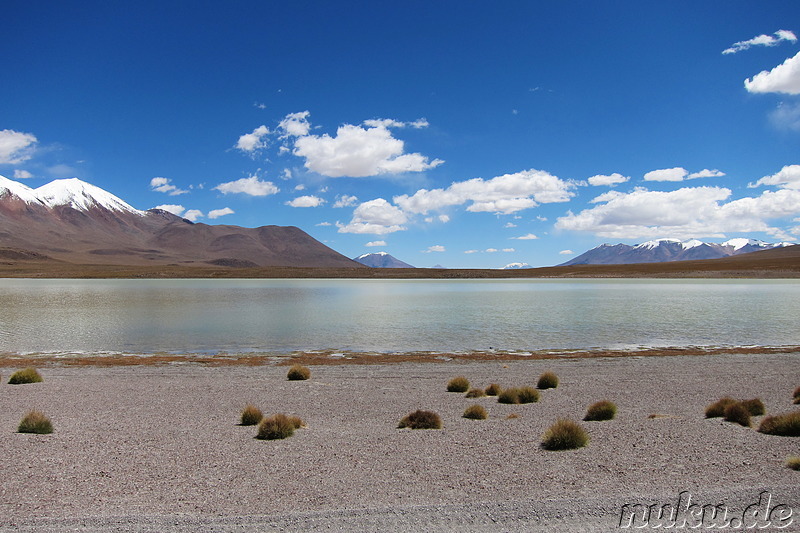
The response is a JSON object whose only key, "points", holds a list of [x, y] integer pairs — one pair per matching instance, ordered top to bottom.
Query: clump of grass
{"points": [[298, 373], [27, 375], [548, 380], [458, 384], [493, 390], [476, 393], [510, 395], [528, 395], [796, 395], [754, 406], [717, 408], [602, 410], [475, 412], [738, 414], [251, 415], [512, 416], [421, 420], [35, 422], [297, 422], [785, 425], [277, 426], [565, 435], [793, 462]]}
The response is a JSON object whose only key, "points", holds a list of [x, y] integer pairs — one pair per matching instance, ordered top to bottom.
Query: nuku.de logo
{"points": [[685, 514]]}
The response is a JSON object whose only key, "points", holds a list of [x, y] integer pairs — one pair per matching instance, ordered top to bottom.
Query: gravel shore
{"points": [[146, 448]]}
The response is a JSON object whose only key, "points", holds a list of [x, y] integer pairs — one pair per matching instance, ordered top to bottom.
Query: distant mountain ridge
{"points": [[75, 221], [667, 250], [381, 260]]}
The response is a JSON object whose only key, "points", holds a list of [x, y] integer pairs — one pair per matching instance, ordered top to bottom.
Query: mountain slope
{"points": [[74, 221], [667, 250], [381, 260]]}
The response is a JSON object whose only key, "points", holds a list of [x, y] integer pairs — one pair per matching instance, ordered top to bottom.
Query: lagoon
{"points": [[278, 316]]}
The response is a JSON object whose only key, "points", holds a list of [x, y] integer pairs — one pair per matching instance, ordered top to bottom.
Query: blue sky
{"points": [[466, 134]]}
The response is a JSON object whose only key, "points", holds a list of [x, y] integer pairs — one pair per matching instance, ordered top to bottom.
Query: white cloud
{"points": [[762, 40], [785, 78], [786, 116], [295, 125], [250, 143], [16, 147], [359, 152], [705, 173], [22, 174], [666, 174], [786, 178], [610, 180], [160, 184], [252, 186], [300, 187], [503, 194], [306, 201], [345, 201], [176, 210], [216, 213], [683, 213], [193, 214], [378, 217], [444, 219], [323, 224], [510, 225], [528, 237], [372, 244], [434, 248], [490, 250], [509, 250], [470, 251], [566, 252]]}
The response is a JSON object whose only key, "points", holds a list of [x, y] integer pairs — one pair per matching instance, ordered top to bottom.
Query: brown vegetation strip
{"points": [[331, 357]]}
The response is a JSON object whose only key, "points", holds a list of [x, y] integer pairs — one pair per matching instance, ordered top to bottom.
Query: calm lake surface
{"points": [[241, 316]]}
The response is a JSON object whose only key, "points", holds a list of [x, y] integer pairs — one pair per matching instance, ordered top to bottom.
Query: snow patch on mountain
{"points": [[21, 191], [82, 196], [515, 266]]}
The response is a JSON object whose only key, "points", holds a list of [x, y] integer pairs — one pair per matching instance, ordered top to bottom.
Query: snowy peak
{"points": [[21, 191], [81, 196], [737, 244], [650, 245], [364, 256], [381, 260], [516, 266]]}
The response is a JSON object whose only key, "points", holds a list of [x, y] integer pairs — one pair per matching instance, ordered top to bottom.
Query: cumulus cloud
{"points": [[762, 40], [785, 78], [295, 125], [250, 143], [16, 147], [360, 151], [705, 173], [22, 174], [666, 174], [786, 178], [609, 180], [164, 185], [251, 186], [504, 194], [306, 201], [345, 201], [175, 209], [216, 213], [683, 213], [193, 214], [377, 217], [510, 225], [528, 237], [372, 244], [434, 248], [509, 250], [566, 252]]}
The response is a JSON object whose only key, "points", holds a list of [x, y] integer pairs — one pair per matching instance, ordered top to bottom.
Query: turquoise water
{"points": [[241, 316]]}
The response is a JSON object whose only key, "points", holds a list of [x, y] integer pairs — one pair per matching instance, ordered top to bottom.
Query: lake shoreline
{"points": [[147, 448]]}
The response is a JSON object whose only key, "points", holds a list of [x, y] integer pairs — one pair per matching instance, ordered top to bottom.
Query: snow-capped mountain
{"points": [[74, 221], [664, 250], [381, 260], [515, 266]]}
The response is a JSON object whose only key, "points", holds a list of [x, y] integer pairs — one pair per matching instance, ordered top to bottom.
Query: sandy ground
{"points": [[147, 448]]}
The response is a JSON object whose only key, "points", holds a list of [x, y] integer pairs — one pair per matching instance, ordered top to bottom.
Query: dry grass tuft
{"points": [[298, 373], [27, 375], [548, 380], [458, 384], [493, 390], [476, 393], [510, 395], [528, 395], [754, 406], [717, 408], [602, 410], [475, 412], [737, 413], [251, 415], [512, 416], [421, 420], [35, 422], [297, 422], [785, 425], [277, 426], [565, 435], [793, 462]]}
